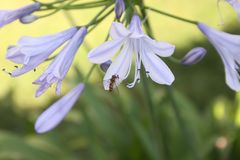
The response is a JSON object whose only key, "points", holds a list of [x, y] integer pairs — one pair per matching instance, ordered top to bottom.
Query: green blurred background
{"points": [[200, 120]]}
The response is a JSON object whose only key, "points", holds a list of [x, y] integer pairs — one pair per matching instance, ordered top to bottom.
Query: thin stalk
{"points": [[77, 6], [58, 9], [171, 15], [94, 20], [99, 20], [89, 73], [154, 128], [185, 131]]}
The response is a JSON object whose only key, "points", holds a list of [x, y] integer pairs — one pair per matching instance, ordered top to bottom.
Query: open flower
{"points": [[236, 6], [8, 16], [228, 47], [31, 51], [146, 51], [58, 69], [50, 118]]}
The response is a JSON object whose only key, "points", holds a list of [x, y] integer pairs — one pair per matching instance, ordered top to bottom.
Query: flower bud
{"points": [[119, 8], [28, 19], [194, 56], [104, 66]]}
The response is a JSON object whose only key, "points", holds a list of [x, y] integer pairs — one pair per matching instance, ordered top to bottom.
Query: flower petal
{"points": [[118, 31], [162, 49], [105, 51], [121, 65], [157, 69], [232, 72], [51, 117]]}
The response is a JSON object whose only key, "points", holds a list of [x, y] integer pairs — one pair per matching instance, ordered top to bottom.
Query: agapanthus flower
{"points": [[236, 5], [119, 8], [8, 16], [28, 19], [228, 47], [32, 51], [146, 51], [194, 56], [57, 70], [54, 115]]}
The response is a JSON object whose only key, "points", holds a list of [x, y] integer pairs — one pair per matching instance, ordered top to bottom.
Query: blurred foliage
{"points": [[200, 120]]}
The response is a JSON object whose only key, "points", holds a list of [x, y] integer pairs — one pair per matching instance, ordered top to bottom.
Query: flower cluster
{"points": [[128, 42]]}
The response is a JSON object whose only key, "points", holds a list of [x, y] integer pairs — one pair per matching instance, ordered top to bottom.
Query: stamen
{"points": [[237, 68], [4, 70], [147, 73]]}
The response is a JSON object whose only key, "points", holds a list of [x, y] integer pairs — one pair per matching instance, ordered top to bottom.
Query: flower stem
{"points": [[58, 9], [171, 15], [96, 20], [89, 73], [153, 122], [185, 130]]}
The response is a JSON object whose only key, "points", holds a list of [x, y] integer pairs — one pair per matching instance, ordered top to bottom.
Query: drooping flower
{"points": [[236, 6], [119, 8], [8, 16], [28, 19], [228, 47], [32, 51], [146, 51], [194, 56], [57, 70], [54, 115]]}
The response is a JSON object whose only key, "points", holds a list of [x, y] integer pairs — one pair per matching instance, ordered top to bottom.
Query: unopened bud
{"points": [[119, 8], [28, 19], [194, 56], [104, 66]]}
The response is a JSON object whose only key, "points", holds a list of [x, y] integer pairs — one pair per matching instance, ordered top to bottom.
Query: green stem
{"points": [[76, 6], [58, 9], [171, 15], [95, 19], [89, 73], [153, 122], [185, 130]]}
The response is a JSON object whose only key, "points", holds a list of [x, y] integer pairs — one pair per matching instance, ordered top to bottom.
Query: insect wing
{"points": [[108, 84]]}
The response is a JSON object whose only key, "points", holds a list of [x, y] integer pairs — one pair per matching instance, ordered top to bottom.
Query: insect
{"points": [[112, 83]]}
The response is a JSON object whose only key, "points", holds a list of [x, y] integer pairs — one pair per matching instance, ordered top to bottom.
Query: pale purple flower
{"points": [[236, 6], [119, 8], [8, 16], [28, 19], [228, 47], [32, 51], [146, 51], [194, 56], [104, 66], [57, 70], [54, 115]]}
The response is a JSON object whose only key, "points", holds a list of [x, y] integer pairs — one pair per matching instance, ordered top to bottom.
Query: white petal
{"points": [[118, 31], [162, 49], [105, 51], [121, 65], [158, 70], [232, 76], [50, 118]]}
